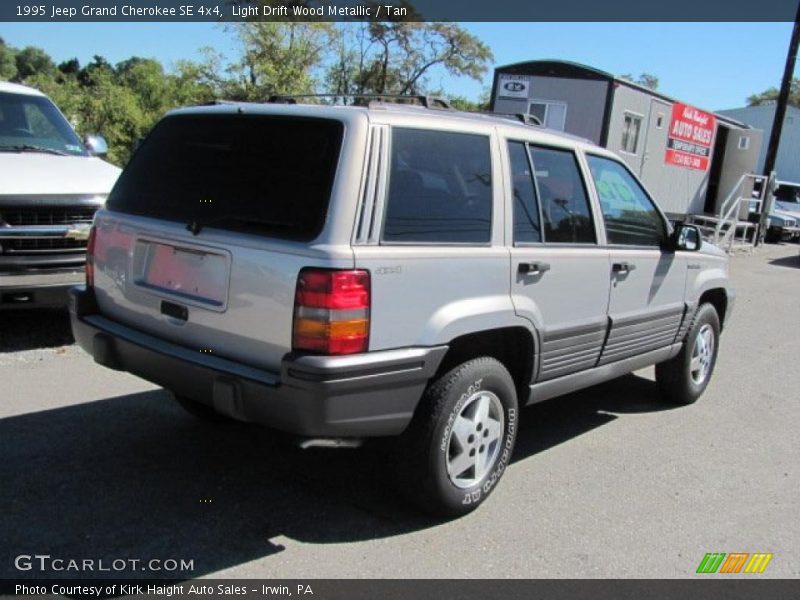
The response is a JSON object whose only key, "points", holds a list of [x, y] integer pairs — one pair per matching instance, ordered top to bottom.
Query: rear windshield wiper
{"points": [[32, 148], [197, 226]]}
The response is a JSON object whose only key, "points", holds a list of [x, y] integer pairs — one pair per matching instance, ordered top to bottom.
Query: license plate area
{"points": [[192, 274]]}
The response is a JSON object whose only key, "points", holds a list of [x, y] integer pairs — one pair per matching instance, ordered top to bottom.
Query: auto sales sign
{"points": [[691, 133]]}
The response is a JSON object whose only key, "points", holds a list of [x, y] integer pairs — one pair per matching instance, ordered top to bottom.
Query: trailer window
{"points": [[631, 127]]}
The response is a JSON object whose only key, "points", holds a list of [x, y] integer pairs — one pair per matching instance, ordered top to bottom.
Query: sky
{"points": [[711, 65]]}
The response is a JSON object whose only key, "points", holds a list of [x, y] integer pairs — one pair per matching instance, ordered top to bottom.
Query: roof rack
{"points": [[417, 99], [521, 117]]}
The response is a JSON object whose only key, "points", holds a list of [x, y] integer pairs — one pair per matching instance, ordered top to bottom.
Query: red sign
{"points": [[691, 133]]}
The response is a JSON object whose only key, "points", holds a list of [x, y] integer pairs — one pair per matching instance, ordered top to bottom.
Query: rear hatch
{"points": [[208, 226]]}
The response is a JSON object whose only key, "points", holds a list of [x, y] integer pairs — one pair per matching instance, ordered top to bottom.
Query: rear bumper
{"points": [[38, 288], [363, 395]]}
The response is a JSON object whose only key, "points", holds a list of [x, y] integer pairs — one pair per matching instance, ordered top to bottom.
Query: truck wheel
{"points": [[682, 379], [200, 410], [460, 440]]}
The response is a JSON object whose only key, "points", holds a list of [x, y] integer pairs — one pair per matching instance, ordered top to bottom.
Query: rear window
{"points": [[252, 173]]}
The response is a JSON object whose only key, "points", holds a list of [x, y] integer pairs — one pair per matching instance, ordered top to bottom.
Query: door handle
{"points": [[533, 268], [623, 268]]}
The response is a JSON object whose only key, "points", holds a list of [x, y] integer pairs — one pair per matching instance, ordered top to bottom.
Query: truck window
{"points": [[252, 173], [440, 188], [565, 205], [630, 216], [527, 227]]}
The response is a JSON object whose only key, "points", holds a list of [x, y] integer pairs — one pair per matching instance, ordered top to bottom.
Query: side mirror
{"points": [[96, 145], [686, 237]]}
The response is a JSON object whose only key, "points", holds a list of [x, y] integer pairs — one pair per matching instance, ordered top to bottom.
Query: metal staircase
{"points": [[736, 226]]}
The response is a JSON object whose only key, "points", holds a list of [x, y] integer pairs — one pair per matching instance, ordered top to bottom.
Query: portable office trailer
{"points": [[690, 159], [787, 162]]}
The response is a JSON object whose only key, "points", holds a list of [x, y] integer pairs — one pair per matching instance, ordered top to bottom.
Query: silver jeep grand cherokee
{"points": [[351, 272]]}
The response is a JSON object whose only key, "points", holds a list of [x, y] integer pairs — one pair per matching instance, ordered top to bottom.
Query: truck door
{"points": [[559, 273], [646, 303]]}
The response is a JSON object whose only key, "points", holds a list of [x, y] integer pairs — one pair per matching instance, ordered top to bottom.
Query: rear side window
{"points": [[253, 173], [440, 188], [565, 205], [526, 208], [630, 216]]}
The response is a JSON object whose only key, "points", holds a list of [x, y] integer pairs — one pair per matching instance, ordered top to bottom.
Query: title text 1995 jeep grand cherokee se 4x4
{"points": [[350, 272]]}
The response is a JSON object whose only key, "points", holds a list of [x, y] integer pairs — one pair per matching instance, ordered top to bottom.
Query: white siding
{"points": [[787, 165]]}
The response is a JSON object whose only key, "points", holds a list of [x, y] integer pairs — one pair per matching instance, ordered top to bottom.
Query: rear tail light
{"points": [[90, 243], [331, 311]]}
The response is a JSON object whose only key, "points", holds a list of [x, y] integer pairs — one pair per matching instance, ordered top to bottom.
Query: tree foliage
{"points": [[397, 57], [647, 80], [771, 95]]}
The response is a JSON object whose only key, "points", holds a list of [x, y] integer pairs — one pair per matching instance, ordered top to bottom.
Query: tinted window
{"points": [[270, 175], [440, 188], [787, 193], [565, 206], [526, 207], [629, 215]]}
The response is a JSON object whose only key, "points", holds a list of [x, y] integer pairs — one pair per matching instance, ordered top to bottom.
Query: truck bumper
{"points": [[38, 289], [361, 395]]}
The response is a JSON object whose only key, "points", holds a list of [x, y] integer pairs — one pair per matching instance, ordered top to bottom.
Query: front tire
{"points": [[684, 378], [460, 441]]}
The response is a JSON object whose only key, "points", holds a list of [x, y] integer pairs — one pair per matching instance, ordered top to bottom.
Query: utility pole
{"points": [[777, 123]]}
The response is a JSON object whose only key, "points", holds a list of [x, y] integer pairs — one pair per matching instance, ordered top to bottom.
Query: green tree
{"points": [[397, 57], [276, 58], [32, 61], [8, 65], [70, 67], [645, 79], [146, 80], [771, 95], [113, 110]]}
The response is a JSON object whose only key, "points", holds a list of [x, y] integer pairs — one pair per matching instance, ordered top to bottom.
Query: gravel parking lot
{"points": [[608, 482]]}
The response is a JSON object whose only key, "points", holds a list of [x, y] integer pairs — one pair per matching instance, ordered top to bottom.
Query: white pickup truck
{"points": [[51, 184]]}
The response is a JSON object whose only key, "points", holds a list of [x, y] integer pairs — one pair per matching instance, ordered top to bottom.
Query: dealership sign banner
{"points": [[691, 133]]}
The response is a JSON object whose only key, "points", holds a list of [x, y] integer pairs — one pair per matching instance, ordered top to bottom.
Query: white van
{"points": [[51, 184]]}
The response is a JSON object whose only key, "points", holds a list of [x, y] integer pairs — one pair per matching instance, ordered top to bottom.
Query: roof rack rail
{"points": [[419, 99], [525, 118]]}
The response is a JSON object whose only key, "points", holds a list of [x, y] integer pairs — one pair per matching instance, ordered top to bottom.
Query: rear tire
{"points": [[683, 379], [200, 411], [460, 440]]}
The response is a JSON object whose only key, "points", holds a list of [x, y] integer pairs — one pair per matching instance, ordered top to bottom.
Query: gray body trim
{"points": [[641, 333], [570, 349], [563, 385], [364, 395]]}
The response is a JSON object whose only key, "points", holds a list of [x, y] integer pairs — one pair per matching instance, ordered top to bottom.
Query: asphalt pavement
{"points": [[608, 482]]}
